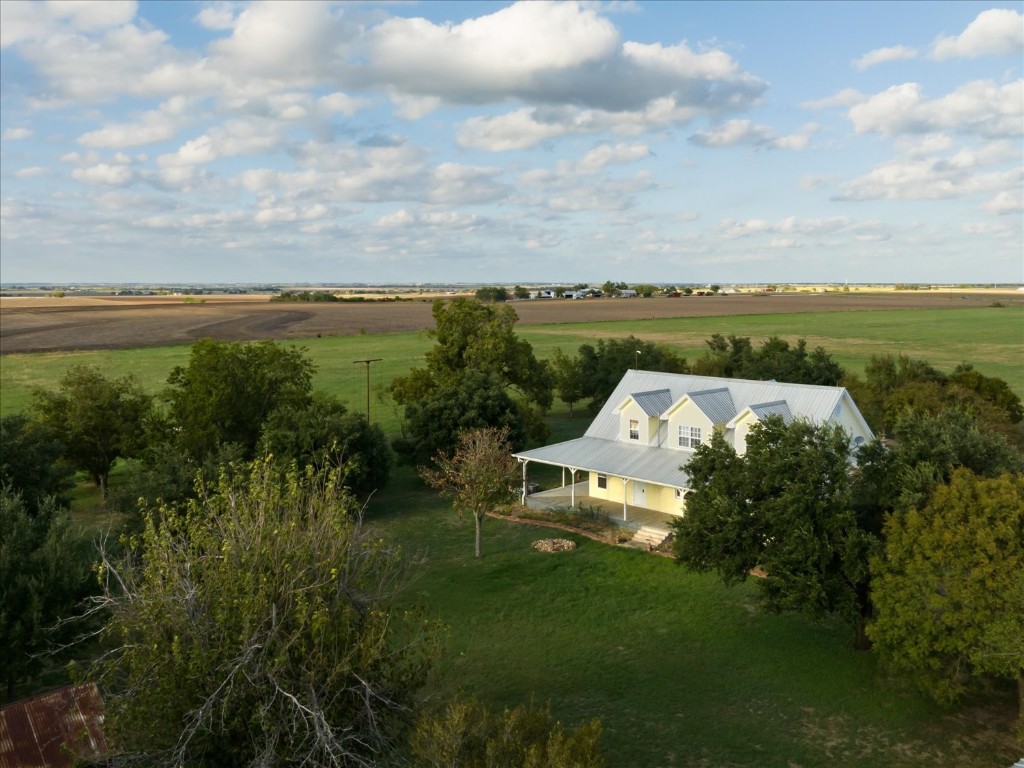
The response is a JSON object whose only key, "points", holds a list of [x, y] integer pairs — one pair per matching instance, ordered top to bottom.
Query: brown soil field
{"points": [[51, 324]]}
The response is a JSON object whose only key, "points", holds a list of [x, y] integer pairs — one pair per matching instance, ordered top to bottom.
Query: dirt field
{"points": [[50, 324]]}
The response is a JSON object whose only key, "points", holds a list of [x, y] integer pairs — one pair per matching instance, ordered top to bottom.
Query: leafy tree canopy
{"points": [[495, 293], [476, 337], [735, 357], [602, 367], [568, 377], [228, 389], [477, 399], [97, 419], [324, 433], [32, 460], [784, 507], [44, 573], [948, 585], [257, 629], [466, 734]]}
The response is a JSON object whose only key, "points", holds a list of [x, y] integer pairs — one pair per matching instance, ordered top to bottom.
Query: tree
{"points": [[610, 288], [520, 292], [492, 294], [478, 337], [735, 357], [602, 367], [568, 375], [228, 389], [476, 400], [97, 419], [324, 433], [31, 460], [479, 475], [783, 507], [44, 573], [948, 587], [257, 629], [466, 734]]}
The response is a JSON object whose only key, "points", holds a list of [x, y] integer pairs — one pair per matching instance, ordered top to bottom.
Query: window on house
{"points": [[634, 429], [689, 437], [602, 481], [679, 493]]}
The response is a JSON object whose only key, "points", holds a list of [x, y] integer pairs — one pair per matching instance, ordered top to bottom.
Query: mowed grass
{"points": [[992, 339], [681, 670]]}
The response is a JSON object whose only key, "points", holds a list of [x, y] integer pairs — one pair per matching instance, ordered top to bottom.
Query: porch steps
{"points": [[650, 536]]}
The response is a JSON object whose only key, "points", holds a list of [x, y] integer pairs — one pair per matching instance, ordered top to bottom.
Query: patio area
{"points": [[635, 518]]}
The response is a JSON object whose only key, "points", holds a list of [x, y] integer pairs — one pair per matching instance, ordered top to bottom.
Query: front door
{"points": [[639, 494]]}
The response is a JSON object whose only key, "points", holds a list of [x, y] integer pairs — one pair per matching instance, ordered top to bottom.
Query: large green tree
{"points": [[472, 336], [736, 357], [603, 366], [568, 375], [228, 389], [97, 419], [325, 433], [32, 460], [478, 475], [784, 507], [44, 573], [948, 585], [257, 628]]}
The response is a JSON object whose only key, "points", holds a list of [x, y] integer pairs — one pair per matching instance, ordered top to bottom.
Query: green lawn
{"points": [[681, 670]]}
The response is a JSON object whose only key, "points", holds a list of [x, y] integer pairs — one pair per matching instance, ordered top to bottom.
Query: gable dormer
{"points": [[640, 416], [693, 417], [744, 421]]}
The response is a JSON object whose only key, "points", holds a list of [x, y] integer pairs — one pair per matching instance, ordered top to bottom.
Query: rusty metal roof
{"points": [[53, 729]]}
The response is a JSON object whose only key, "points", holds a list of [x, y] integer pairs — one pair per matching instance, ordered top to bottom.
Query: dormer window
{"points": [[634, 429], [689, 437]]}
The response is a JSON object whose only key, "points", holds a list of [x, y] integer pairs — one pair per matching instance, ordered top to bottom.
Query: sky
{"points": [[507, 143]]}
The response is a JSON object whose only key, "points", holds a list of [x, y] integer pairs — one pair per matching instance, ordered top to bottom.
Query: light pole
{"points": [[367, 362], [636, 364]]}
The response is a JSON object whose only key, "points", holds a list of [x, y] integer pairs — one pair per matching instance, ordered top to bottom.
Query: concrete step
{"points": [[650, 536]]}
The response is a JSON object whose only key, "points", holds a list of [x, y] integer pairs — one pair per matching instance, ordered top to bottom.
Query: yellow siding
{"points": [[687, 414]]}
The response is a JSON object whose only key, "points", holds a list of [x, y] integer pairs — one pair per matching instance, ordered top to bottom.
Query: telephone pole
{"points": [[367, 363]]}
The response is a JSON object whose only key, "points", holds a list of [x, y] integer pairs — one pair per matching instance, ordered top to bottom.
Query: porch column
{"points": [[524, 462], [563, 477], [572, 485], [625, 512]]}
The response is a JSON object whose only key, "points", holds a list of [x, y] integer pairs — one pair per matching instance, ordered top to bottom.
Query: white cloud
{"points": [[217, 16], [26, 21], [997, 31], [884, 55], [844, 98], [980, 107], [152, 127], [745, 132], [16, 134], [236, 137], [605, 154], [30, 172], [104, 173], [935, 178], [455, 184], [1005, 202], [790, 227]]}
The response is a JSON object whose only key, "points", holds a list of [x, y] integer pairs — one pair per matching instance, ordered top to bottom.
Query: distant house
{"points": [[627, 293], [636, 450], [54, 729]]}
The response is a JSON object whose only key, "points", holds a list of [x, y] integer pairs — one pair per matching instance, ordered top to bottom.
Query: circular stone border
{"points": [[554, 545]]}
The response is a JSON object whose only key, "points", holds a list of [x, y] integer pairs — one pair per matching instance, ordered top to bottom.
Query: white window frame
{"points": [[634, 429], [689, 437], [602, 482]]}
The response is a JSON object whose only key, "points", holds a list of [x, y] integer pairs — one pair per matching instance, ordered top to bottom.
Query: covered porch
{"points": [[626, 516]]}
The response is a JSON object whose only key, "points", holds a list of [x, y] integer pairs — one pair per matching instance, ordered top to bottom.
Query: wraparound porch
{"points": [[627, 516]]}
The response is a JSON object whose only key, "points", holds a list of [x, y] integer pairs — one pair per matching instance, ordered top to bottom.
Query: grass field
{"points": [[992, 338], [681, 670]]}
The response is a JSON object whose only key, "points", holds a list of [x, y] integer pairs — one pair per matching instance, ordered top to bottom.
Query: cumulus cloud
{"points": [[26, 21], [997, 31], [883, 55], [844, 98], [980, 107], [153, 126], [745, 132], [16, 134], [607, 154], [30, 172], [104, 173], [935, 178], [789, 228]]}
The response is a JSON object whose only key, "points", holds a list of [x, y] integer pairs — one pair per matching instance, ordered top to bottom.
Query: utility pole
{"points": [[367, 363]]}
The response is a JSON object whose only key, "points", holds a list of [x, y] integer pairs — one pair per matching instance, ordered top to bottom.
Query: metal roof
{"points": [[808, 401], [654, 403], [715, 403], [778, 408], [663, 466], [34, 732]]}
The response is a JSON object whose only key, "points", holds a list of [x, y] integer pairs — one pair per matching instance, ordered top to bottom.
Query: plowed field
{"points": [[49, 324]]}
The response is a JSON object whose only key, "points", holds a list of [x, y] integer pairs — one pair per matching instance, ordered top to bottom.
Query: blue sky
{"points": [[511, 142]]}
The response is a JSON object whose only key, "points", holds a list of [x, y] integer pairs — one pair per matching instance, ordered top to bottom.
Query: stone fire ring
{"points": [[554, 545]]}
